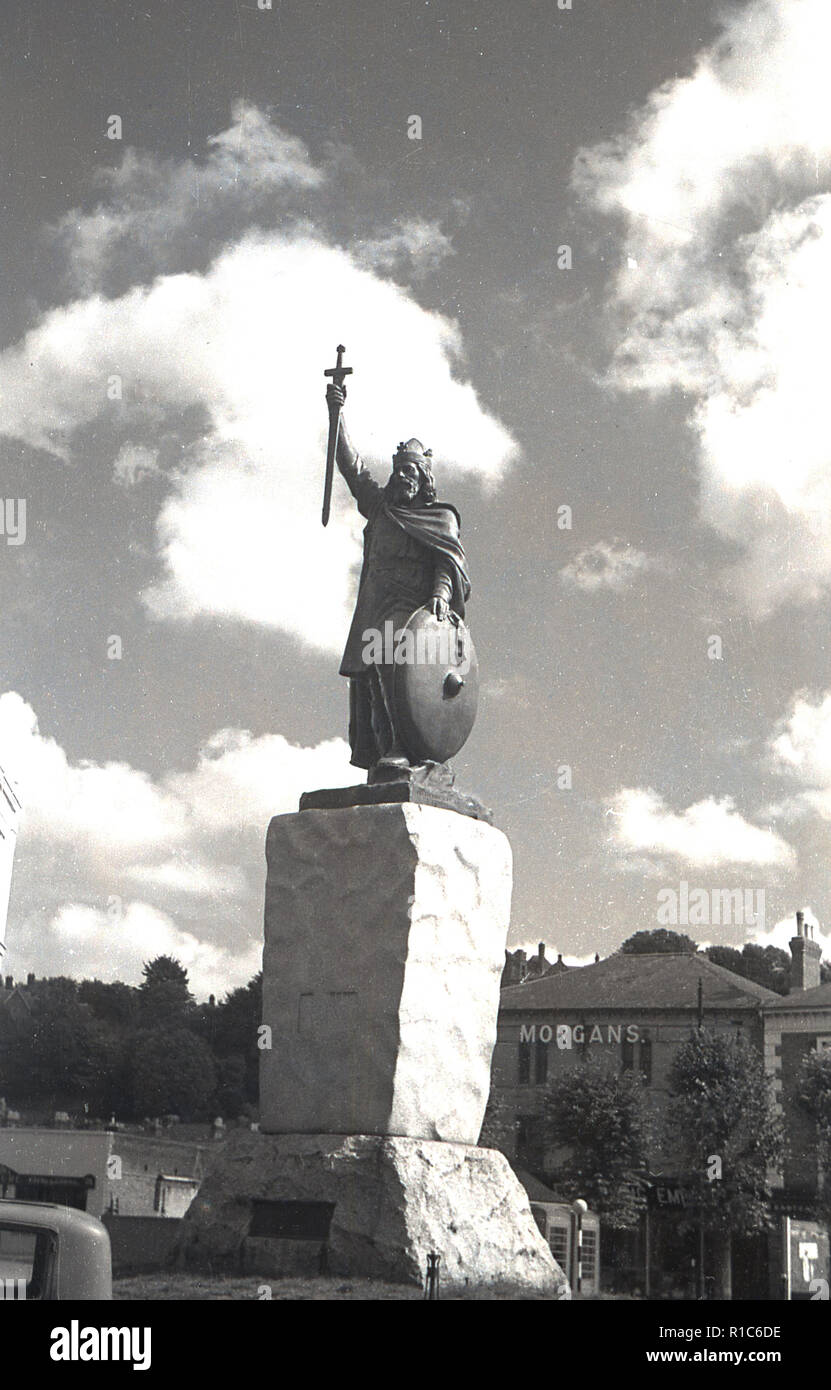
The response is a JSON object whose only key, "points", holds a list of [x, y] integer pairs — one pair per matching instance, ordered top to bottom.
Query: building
{"points": [[9, 816], [519, 966], [15, 1005], [626, 1012], [630, 1013], [66, 1166], [100, 1171], [155, 1176], [173, 1195]]}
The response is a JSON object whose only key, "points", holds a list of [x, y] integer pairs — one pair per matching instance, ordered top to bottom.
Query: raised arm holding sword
{"points": [[403, 712]]}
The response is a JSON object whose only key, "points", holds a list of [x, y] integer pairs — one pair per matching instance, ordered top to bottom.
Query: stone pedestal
{"points": [[385, 931], [394, 1200]]}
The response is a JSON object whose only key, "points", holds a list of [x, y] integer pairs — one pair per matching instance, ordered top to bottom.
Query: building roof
{"points": [[659, 981], [16, 993], [818, 998], [536, 1190]]}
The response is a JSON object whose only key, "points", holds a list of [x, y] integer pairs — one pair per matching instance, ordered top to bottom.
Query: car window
{"points": [[24, 1262]]}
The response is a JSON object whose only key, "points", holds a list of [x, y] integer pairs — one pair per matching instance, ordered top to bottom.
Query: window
{"points": [[627, 1055], [646, 1060], [540, 1063], [524, 1075], [523, 1137], [530, 1141], [67, 1192], [559, 1242], [17, 1253], [589, 1254], [25, 1258]]}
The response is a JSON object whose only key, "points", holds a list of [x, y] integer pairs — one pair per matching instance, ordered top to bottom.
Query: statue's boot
{"points": [[393, 763]]}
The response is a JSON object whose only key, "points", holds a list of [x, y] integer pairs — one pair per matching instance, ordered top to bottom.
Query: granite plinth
{"points": [[385, 931], [395, 1200]]}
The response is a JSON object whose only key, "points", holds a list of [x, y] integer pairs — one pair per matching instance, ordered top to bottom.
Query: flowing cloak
{"points": [[410, 553]]}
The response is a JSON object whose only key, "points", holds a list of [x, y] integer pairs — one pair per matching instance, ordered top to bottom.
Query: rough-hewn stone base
{"points": [[385, 930], [395, 1201]]}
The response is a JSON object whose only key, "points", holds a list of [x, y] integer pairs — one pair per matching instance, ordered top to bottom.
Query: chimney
{"points": [[541, 951], [806, 954], [559, 957], [30, 979]]}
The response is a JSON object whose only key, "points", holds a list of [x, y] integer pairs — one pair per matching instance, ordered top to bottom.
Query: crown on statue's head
{"points": [[413, 451]]}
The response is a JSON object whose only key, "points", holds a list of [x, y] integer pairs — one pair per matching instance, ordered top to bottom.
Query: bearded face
{"points": [[405, 483]]}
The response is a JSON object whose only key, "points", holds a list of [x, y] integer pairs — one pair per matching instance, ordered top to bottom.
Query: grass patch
{"points": [[229, 1289]]}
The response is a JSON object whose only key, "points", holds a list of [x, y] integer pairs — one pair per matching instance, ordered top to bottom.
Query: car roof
{"points": [[49, 1215]]}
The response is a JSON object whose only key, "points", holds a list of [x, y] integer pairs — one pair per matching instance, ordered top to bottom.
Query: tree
{"points": [[659, 940], [728, 958], [766, 965], [164, 993], [114, 1003], [235, 1030], [63, 1055], [170, 1072], [231, 1096], [814, 1097], [599, 1121], [722, 1126], [499, 1127]]}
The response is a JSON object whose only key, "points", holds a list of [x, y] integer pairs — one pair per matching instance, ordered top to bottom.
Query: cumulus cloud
{"points": [[720, 184], [151, 208], [157, 215], [418, 245], [241, 345], [240, 534], [605, 565], [801, 747], [711, 833], [111, 861], [188, 876], [781, 932], [91, 943]]}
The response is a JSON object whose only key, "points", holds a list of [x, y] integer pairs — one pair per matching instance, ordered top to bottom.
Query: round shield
{"points": [[435, 686]]}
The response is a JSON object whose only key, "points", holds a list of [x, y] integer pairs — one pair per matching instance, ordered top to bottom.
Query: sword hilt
{"points": [[339, 372]]}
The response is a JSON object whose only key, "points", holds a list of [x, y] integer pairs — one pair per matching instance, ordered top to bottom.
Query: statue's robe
{"points": [[411, 555]]}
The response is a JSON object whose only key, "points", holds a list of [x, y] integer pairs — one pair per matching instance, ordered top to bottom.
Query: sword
{"points": [[337, 374]]}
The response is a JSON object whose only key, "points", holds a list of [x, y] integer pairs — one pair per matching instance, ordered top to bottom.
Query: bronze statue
{"points": [[411, 702]]}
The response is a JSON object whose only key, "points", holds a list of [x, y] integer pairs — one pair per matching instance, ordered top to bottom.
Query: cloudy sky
{"points": [[598, 286]]}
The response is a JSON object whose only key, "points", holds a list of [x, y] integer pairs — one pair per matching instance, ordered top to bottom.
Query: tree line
{"points": [[765, 965], [134, 1052]]}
